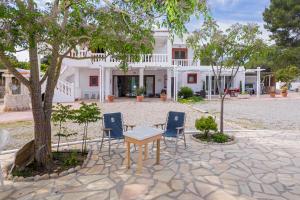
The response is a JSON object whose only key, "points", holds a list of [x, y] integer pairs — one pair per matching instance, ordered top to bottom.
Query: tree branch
{"points": [[44, 78]]}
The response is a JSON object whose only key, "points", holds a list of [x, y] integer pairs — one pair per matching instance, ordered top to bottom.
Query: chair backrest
{"points": [[175, 120], [114, 121], [4, 138]]}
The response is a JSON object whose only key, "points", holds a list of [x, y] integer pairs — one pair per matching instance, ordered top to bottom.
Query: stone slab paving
{"points": [[261, 165]]}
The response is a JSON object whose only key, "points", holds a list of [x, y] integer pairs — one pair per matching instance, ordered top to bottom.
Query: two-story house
{"points": [[168, 68]]}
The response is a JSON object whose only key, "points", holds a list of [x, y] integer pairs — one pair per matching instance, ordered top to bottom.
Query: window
{"points": [[179, 53], [192, 78], [94, 81]]}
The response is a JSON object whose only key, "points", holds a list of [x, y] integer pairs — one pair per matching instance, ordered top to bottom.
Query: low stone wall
{"points": [[19, 102]]}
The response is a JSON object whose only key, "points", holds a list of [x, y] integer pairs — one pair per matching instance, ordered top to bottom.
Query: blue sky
{"points": [[227, 12]]}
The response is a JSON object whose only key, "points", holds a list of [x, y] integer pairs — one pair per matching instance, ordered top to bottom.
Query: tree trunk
{"points": [[222, 115], [42, 132]]}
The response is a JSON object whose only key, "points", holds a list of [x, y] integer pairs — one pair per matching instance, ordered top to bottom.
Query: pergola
{"points": [[258, 71]]}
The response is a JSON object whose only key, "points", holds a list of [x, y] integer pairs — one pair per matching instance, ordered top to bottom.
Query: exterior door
{"points": [[150, 85]]}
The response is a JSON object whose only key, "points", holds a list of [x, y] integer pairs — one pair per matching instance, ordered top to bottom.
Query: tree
{"points": [[283, 21], [54, 29], [225, 51], [287, 75]]}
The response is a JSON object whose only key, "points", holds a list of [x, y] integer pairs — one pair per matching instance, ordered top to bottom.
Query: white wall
{"points": [[84, 80], [184, 82]]}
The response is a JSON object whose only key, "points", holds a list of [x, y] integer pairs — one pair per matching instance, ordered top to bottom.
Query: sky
{"points": [[226, 13]]}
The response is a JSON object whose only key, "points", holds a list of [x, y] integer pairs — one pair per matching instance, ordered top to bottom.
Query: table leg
{"points": [[157, 151], [146, 152], [128, 155], [140, 161]]}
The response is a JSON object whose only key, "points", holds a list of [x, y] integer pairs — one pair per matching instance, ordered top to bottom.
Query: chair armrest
{"points": [[160, 124], [131, 126], [106, 129], [179, 129]]}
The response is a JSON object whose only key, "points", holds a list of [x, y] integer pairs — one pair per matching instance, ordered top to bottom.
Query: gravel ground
{"points": [[145, 113], [266, 113]]}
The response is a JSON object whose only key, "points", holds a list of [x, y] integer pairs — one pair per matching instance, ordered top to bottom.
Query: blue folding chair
{"points": [[174, 127], [113, 128]]}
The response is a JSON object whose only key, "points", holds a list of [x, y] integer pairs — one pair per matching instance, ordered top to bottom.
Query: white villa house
{"points": [[168, 68]]}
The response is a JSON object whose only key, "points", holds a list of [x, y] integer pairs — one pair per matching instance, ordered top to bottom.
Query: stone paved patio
{"points": [[261, 165]]}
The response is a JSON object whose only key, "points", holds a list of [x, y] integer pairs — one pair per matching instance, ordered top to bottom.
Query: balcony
{"points": [[151, 59], [161, 60], [185, 62]]}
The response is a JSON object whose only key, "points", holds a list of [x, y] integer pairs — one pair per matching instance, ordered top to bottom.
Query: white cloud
{"points": [[214, 3]]}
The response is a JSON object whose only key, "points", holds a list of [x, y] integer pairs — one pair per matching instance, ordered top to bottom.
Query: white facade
{"points": [[167, 68]]}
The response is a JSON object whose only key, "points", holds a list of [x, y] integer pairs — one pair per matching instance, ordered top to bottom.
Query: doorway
{"points": [[149, 83], [125, 86]]}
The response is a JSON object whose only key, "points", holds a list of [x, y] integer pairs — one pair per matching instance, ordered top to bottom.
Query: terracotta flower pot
{"points": [[284, 93], [272, 94], [163, 97], [110, 98], [139, 98]]}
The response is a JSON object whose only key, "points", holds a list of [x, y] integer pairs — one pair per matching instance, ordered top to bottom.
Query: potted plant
{"points": [[287, 75], [284, 91], [272, 92], [140, 94], [163, 95], [110, 98]]}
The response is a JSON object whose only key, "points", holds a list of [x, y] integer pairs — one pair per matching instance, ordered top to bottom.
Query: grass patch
{"points": [[190, 100], [16, 124], [216, 137], [61, 161]]}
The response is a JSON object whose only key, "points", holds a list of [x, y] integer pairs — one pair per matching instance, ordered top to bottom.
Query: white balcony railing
{"points": [[98, 57], [144, 58], [185, 62]]}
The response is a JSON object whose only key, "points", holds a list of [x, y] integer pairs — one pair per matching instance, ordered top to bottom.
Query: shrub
{"points": [[140, 91], [185, 92], [193, 99], [86, 114], [60, 115], [206, 124], [220, 137]]}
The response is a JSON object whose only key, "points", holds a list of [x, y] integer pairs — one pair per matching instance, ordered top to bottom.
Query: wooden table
{"points": [[141, 136]]}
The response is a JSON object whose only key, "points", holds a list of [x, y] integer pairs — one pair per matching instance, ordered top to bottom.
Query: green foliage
{"points": [[283, 21], [288, 74], [140, 91], [185, 92], [190, 100], [86, 114], [60, 115], [206, 125], [220, 137], [72, 160]]}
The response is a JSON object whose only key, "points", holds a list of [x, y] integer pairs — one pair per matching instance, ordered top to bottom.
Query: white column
{"points": [[169, 51], [141, 77], [107, 82], [258, 82], [169, 83], [100, 84], [175, 84], [209, 86]]}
